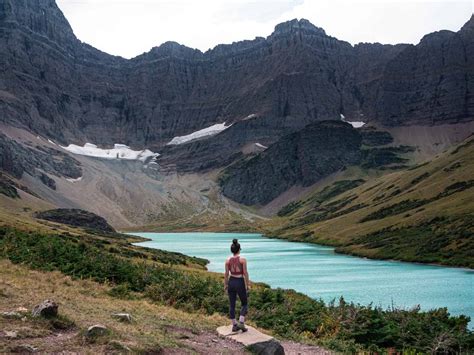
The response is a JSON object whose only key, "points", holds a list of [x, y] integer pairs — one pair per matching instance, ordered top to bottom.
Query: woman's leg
{"points": [[232, 292], [242, 292]]}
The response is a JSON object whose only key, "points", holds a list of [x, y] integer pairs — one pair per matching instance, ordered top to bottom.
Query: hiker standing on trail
{"points": [[236, 282]]}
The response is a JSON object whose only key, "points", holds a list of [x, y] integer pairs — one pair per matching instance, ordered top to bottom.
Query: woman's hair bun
{"points": [[235, 241]]}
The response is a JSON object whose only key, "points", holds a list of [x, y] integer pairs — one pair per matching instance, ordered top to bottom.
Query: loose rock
{"points": [[46, 309], [21, 310], [11, 315], [123, 317], [96, 330], [11, 334], [116, 345], [270, 347], [24, 348]]}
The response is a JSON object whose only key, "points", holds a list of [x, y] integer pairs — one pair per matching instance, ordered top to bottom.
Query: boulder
{"points": [[46, 309], [97, 330], [253, 340], [269, 347]]}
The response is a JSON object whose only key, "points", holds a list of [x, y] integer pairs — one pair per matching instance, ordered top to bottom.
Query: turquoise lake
{"points": [[321, 273]]}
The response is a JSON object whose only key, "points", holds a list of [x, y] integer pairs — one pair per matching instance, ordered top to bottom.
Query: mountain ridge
{"points": [[295, 76]]}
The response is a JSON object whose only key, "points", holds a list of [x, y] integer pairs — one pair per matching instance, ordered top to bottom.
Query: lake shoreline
{"points": [[296, 240], [358, 279]]}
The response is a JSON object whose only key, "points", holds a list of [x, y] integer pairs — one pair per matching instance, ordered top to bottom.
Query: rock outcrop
{"points": [[306, 156], [302, 158], [76, 218], [46, 309], [96, 331]]}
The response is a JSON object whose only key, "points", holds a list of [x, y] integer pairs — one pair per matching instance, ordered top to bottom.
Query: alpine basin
{"points": [[321, 273]]}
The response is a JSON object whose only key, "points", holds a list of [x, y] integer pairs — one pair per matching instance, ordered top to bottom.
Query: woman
{"points": [[237, 284]]}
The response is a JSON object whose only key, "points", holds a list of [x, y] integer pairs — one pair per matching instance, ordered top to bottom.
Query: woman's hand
{"points": [[225, 288]]}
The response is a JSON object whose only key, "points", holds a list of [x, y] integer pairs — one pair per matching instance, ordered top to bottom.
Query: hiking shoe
{"points": [[242, 327], [235, 328]]}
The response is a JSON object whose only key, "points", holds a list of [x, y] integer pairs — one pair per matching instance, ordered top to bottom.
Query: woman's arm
{"points": [[246, 273], [226, 275]]}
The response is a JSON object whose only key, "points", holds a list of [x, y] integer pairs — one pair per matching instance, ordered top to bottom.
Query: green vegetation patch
{"points": [[374, 138], [463, 146], [383, 157], [415, 167], [452, 167], [420, 178], [8, 189], [322, 196], [407, 205], [289, 208], [395, 209], [441, 240]]}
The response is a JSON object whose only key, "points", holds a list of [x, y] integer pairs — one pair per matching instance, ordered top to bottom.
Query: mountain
{"points": [[59, 87], [289, 92], [368, 148], [307, 156], [303, 157]]}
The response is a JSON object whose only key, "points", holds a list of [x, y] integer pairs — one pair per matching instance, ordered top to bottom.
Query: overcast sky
{"points": [[131, 27]]}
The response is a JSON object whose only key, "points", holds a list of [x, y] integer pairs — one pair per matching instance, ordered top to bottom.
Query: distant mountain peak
{"points": [[295, 25], [469, 25], [171, 49]]}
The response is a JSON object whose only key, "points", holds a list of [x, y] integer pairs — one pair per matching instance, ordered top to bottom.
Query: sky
{"points": [[131, 27]]}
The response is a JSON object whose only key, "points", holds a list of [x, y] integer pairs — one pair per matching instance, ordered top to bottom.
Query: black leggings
{"points": [[237, 287]]}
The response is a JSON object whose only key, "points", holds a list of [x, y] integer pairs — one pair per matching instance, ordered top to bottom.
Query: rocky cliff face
{"points": [[55, 85], [306, 156], [300, 158]]}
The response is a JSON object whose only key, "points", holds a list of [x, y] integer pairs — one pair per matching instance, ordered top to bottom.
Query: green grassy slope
{"points": [[424, 213]]}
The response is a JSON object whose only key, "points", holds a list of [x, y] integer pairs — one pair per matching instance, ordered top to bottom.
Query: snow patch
{"points": [[249, 117], [355, 124], [202, 133], [50, 141], [260, 145], [119, 151], [74, 180]]}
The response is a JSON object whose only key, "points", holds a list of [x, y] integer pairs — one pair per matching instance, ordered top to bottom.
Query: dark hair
{"points": [[235, 247]]}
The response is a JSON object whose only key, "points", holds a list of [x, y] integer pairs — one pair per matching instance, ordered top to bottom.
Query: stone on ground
{"points": [[46, 309], [11, 315], [123, 317], [97, 330], [253, 340], [24, 348]]}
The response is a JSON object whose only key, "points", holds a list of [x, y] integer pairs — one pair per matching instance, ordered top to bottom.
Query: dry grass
{"points": [[87, 303]]}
